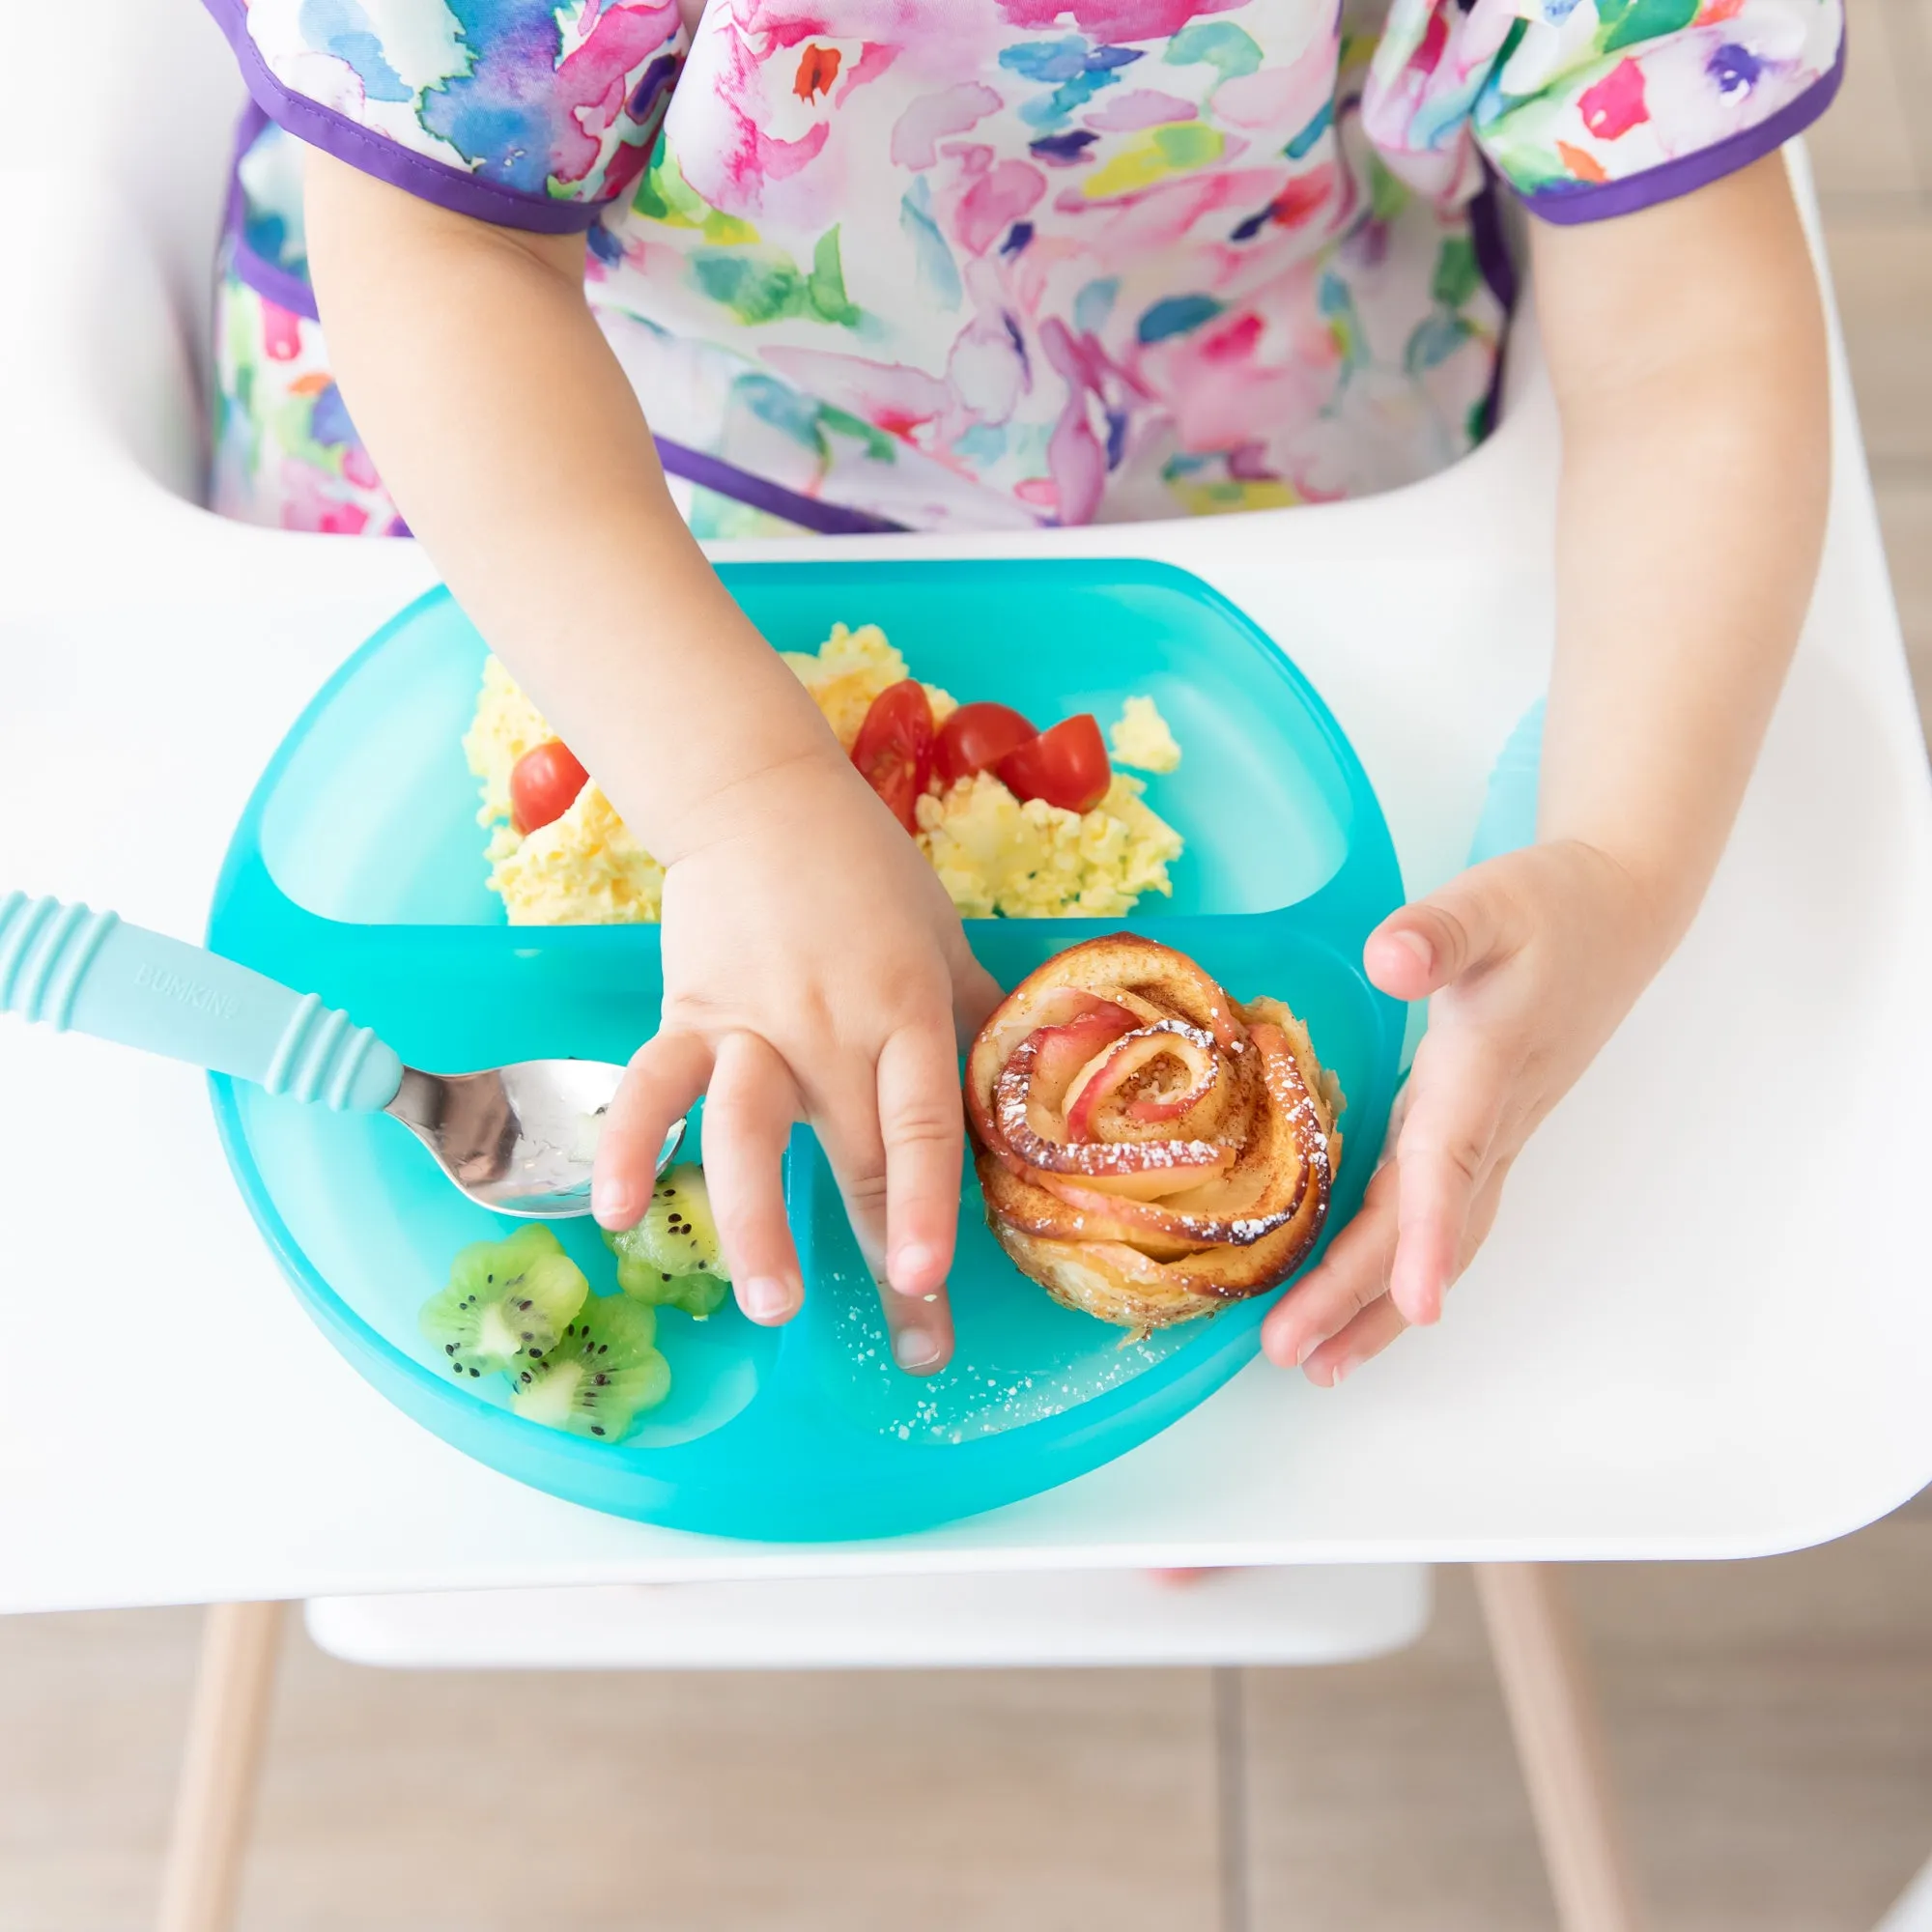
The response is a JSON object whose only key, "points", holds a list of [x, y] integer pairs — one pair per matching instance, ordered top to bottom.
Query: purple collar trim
{"points": [[429, 181], [1598, 201]]}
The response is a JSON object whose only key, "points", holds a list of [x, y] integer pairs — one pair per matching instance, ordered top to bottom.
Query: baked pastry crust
{"points": [[1149, 1149]]}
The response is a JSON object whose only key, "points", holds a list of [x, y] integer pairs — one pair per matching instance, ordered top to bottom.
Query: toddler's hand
{"points": [[1530, 962], [815, 970]]}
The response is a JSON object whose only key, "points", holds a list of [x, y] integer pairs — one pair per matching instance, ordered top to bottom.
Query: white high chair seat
{"points": [[1310, 1614]]}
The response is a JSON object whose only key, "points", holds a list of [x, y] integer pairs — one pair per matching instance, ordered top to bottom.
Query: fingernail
{"points": [[1413, 942], [612, 1201], [910, 1264], [765, 1297], [915, 1348], [1307, 1348], [1341, 1370]]}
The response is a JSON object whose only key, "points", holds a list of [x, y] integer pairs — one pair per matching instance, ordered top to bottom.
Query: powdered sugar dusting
{"points": [[970, 1399]]}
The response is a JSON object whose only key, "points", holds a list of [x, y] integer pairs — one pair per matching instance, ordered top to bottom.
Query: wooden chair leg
{"points": [[1546, 1681], [227, 1724]]}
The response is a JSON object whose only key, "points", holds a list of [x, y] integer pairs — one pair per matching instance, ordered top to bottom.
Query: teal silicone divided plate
{"points": [[357, 873]]}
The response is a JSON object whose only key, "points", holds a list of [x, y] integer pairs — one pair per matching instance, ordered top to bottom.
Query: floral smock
{"points": [[991, 264]]}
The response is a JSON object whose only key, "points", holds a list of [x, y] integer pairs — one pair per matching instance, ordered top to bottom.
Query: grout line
{"points": [[1231, 1810]]}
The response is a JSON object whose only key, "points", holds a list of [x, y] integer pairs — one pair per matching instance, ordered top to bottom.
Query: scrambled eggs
{"points": [[849, 670], [1142, 738], [994, 854], [1034, 860], [580, 869]]}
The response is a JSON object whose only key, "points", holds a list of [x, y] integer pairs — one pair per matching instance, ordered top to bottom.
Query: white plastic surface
{"points": [[1702, 1327], [1322, 1613], [1913, 1911]]}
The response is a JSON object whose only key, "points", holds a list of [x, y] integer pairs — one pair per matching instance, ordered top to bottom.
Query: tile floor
{"points": [[1772, 1722]]}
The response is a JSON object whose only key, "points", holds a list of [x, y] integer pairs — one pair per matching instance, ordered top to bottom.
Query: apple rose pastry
{"points": [[1148, 1147]]}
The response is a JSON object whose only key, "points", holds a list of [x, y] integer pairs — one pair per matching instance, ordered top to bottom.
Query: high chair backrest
{"points": [[172, 97], [139, 173], [114, 200]]}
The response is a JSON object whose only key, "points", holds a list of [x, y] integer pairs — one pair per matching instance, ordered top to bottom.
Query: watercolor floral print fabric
{"points": [[993, 264], [285, 452]]}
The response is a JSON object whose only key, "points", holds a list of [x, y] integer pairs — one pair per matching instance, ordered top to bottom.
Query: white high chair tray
{"points": [[1701, 1329]]}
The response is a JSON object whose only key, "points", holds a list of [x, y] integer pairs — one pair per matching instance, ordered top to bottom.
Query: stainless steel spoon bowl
{"points": [[517, 1139]]}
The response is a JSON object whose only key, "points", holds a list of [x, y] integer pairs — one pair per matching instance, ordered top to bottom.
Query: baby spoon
{"points": [[518, 1140]]}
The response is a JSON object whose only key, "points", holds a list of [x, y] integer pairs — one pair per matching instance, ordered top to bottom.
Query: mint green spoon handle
{"points": [[74, 968]]}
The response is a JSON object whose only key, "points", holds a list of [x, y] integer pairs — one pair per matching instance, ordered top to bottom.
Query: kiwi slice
{"points": [[677, 1236], [699, 1295], [507, 1303], [602, 1374]]}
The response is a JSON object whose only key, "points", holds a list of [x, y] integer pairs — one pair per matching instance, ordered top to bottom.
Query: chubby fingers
{"points": [[1422, 948], [666, 1076], [747, 1120], [923, 1129], [894, 1145], [1447, 1148], [1430, 1204], [1427, 1209], [1352, 1277], [1342, 1314], [1377, 1325], [919, 1327]]}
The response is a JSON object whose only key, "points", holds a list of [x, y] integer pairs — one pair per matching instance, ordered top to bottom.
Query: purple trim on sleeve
{"points": [[323, 127], [417, 174], [1599, 201], [268, 280], [272, 283], [710, 472]]}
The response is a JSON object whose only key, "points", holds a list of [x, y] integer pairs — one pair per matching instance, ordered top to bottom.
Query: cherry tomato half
{"points": [[976, 738], [894, 750], [1066, 766], [544, 786]]}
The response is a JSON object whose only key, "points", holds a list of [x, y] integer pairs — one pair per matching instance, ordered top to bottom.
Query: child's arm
{"points": [[1687, 351], [814, 966]]}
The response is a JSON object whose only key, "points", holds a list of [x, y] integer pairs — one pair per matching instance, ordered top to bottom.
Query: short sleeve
{"points": [[1591, 109], [529, 113]]}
